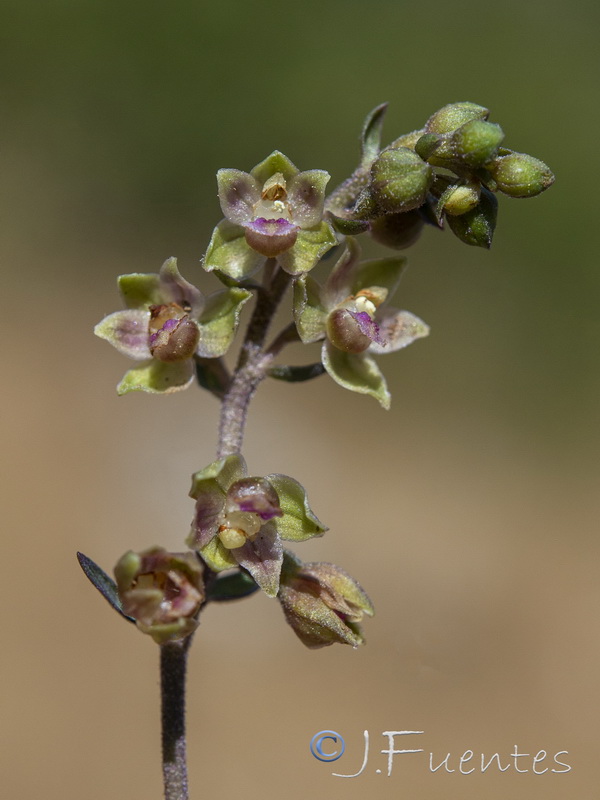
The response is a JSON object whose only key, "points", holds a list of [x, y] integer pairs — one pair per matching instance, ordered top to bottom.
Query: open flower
{"points": [[274, 211], [350, 313], [166, 323], [241, 520], [162, 591], [322, 603]]}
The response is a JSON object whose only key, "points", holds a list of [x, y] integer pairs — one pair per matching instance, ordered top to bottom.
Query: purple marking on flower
{"points": [[271, 237], [368, 326], [265, 514]]}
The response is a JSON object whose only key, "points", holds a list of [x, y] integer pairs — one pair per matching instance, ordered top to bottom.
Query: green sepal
{"points": [[370, 139], [276, 162], [349, 227], [476, 227], [311, 245], [230, 254], [384, 272], [140, 290], [310, 315], [219, 320], [357, 372], [297, 374], [212, 375], [157, 377], [223, 472], [298, 522], [217, 556], [103, 583], [232, 587]]}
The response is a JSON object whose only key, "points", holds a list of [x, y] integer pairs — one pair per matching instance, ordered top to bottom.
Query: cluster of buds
{"points": [[448, 170]]}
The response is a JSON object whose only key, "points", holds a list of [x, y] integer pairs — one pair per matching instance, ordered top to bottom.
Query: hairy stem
{"points": [[253, 362], [173, 658]]}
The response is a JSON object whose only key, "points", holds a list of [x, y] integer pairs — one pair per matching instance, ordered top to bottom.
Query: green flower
{"points": [[274, 211], [350, 313], [166, 323], [241, 520], [322, 603]]}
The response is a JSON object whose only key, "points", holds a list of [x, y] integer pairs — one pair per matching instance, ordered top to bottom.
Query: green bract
{"points": [[274, 211], [349, 312], [166, 324], [241, 520]]}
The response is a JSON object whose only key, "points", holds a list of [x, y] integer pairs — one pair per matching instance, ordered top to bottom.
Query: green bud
{"points": [[452, 116], [407, 140], [477, 142], [427, 144], [520, 175], [400, 180], [457, 200], [476, 227], [397, 231]]}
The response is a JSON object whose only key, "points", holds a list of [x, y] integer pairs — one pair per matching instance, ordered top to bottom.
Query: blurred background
{"points": [[469, 511]]}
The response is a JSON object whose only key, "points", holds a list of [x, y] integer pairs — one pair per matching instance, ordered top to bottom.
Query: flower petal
{"points": [[273, 164], [238, 192], [306, 196], [270, 237], [311, 245], [229, 252], [338, 285], [140, 289], [176, 289], [310, 314], [219, 321], [368, 327], [398, 329], [127, 331], [357, 372], [158, 377], [224, 471], [254, 496], [210, 500], [298, 522], [217, 556], [262, 558]]}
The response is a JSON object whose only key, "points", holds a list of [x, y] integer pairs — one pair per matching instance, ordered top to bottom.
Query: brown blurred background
{"points": [[469, 511]]}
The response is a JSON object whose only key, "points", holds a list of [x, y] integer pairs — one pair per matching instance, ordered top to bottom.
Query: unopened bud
{"points": [[452, 116], [476, 142], [520, 175], [400, 180], [457, 200], [476, 227], [398, 230]]}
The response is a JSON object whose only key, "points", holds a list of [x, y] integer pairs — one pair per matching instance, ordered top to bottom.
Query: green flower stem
{"points": [[253, 363], [173, 657]]}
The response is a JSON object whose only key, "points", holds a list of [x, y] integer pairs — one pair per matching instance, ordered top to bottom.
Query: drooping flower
{"points": [[273, 211], [350, 313], [166, 323], [241, 520], [162, 591], [322, 603]]}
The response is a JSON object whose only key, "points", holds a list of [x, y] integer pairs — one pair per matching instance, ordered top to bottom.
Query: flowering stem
{"points": [[253, 362], [173, 658]]}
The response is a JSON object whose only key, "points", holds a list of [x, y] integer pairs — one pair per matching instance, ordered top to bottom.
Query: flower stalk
{"points": [[173, 664]]}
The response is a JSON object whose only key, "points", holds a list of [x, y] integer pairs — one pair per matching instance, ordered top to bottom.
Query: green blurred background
{"points": [[469, 511]]}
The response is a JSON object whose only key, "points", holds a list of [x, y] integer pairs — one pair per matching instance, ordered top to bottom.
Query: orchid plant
{"points": [[280, 220]]}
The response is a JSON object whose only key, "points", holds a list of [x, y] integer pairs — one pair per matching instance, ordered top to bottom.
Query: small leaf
{"points": [[371, 134], [310, 315], [297, 374], [212, 375], [105, 585], [232, 587]]}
